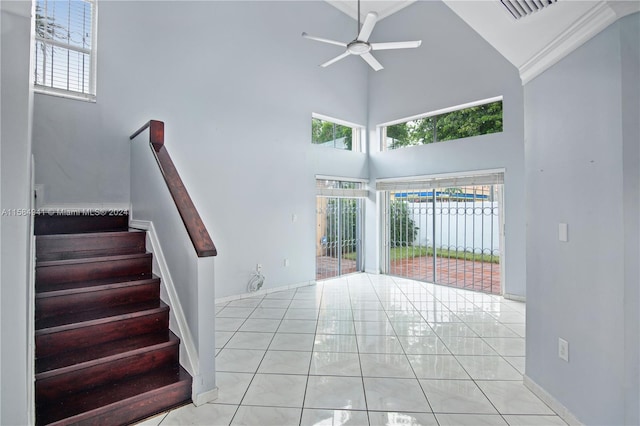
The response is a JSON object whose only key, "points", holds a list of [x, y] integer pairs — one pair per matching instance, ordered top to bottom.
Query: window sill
{"points": [[64, 94]]}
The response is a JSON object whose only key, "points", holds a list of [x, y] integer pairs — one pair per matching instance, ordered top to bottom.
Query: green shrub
{"points": [[403, 229]]}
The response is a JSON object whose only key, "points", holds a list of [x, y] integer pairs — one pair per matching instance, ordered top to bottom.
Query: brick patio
{"points": [[467, 274]]}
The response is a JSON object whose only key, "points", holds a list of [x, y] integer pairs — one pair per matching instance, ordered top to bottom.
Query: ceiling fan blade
{"points": [[367, 27], [324, 40], [396, 45], [336, 59], [372, 61]]}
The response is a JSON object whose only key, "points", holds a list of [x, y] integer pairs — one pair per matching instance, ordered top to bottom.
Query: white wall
{"points": [[630, 63], [453, 66], [236, 85], [581, 124], [15, 154]]}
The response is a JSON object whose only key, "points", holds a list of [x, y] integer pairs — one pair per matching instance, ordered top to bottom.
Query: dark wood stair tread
{"points": [[89, 244], [82, 260], [92, 268], [58, 289], [92, 317], [104, 351], [81, 358], [84, 405]]}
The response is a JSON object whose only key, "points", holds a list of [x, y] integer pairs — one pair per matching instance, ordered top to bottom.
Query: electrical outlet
{"points": [[294, 217], [563, 232], [286, 262], [259, 267], [563, 349]]}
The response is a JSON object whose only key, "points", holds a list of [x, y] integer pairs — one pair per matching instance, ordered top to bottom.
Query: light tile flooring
{"points": [[369, 350]]}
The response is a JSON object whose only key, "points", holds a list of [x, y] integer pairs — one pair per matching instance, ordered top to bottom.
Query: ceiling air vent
{"points": [[521, 8]]}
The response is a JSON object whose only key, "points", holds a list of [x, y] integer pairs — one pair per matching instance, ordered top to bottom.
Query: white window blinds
{"points": [[65, 40], [430, 182], [340, 188]]}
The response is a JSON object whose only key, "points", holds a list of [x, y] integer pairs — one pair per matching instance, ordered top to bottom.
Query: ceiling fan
{"points": [[361, 46]]}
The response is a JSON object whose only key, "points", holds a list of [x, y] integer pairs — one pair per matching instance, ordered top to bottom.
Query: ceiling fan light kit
{"points": [[361, 46]]}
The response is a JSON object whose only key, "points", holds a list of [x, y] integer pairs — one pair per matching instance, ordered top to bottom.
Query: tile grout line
{"points": [[453, 300], [498, 355], [263, 356], [407, 358], [472, 379], [251, 381], [306, 386], [364, 388]]}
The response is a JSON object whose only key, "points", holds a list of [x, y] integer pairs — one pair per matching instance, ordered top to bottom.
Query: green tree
{"points": [[478, 120], [423, 130], [325, 131], [399, 135], [403, 229]]}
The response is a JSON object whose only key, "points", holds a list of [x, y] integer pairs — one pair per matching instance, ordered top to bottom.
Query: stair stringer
{"points": [[178, 322]]}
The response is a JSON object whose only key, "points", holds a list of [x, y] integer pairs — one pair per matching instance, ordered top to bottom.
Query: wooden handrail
{"points": [[190, 217]]}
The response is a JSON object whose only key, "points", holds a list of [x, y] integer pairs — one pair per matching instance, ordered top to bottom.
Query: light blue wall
{"points": [[630, 63], [453, 66], [236, 84], [581, 121], [15, 191]]}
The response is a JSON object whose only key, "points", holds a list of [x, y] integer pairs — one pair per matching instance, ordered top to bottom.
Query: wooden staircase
{"points": [[104, 352]]}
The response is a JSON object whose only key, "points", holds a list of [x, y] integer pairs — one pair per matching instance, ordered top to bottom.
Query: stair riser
{"points": [[46, 224], [89, 245], [75, 272], [78, 302], [48, 344], [104, 352], [54, 387], [134, 409]]}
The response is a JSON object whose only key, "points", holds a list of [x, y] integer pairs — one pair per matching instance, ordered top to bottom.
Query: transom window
{"points": [[65, 47], [480, 118], [332, 133]]}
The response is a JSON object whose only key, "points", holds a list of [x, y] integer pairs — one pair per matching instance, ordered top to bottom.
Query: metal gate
{"points": [[447, 236], [338, 247]]}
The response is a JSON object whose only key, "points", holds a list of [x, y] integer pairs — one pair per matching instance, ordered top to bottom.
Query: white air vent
{"points": [[521, 8]]}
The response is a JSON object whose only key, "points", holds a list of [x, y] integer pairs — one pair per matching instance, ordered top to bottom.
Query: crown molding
{"points": [[588, 25]]}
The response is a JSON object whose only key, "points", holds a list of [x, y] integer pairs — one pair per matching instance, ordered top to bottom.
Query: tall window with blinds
{"points": [[65, 37], [339, 208], [445, 229]]}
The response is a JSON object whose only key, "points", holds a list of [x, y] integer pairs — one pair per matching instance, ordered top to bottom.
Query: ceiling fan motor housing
{"points": [[357, 47]]}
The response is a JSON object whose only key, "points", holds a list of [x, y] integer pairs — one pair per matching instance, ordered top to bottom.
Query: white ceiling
{"points": [[383, 8], [531, 44]]}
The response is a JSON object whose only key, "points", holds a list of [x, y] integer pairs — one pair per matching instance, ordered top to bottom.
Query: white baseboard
{"points": [[372, 271], [265, 291], [515, 297], [191, 363], [205, 397], [553, 403]]}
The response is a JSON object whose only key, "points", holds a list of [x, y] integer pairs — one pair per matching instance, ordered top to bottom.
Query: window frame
{"points": [[89, 96], [382, 128], [357, 132]]}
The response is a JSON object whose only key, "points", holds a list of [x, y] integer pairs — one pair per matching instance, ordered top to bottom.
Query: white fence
{"points": [[459, 225]]}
